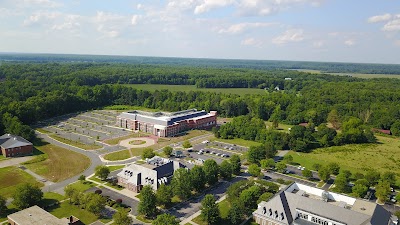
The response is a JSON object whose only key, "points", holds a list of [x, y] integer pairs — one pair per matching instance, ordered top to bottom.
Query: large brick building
{"points": [[165, 124], [12, 146], [299, 204]]}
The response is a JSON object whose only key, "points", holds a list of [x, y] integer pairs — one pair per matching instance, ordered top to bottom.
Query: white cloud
{"points": [[40, 3], [207, 5], [139, 6], [264, 8], [102, 16], [40, 17], [379, 18], [135, 19], [71, 22], [393, 25], [240, 27], [292, 35], [251, 42], [350, 42], [397, 43], [318, 44]]}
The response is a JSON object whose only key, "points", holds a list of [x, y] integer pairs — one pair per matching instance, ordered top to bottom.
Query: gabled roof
{"points": [[13, 141], [287, 204]]}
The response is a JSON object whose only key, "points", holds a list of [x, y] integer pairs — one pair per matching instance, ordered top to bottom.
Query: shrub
{"points": [[98, 191]]}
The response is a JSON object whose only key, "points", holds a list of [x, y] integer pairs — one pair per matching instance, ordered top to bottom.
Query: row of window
{"points": [[314, 219]]}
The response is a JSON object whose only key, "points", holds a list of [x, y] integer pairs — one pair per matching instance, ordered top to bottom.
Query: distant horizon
{"points": [[287, 30], [178, 57]]}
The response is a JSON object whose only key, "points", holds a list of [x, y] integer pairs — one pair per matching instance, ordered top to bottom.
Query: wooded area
{"points": [[35, 91]]}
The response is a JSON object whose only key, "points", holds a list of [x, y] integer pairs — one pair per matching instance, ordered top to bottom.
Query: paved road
{"points": [[14, 161]]}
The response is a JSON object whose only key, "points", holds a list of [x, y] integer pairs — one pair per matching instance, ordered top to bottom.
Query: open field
{"points": [[359, 75], [153, 87], [281, 127], [237, 141], [120, 155], [384, 156], [57, 164], [11, 177]]}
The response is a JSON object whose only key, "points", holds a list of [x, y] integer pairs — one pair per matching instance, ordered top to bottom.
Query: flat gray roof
{"points": [[35, 216]]}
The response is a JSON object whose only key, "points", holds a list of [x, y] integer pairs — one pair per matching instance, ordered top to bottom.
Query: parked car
{"points": [[231, 148], [207, 151], [212, 152], [218, 154], [225, 155]]}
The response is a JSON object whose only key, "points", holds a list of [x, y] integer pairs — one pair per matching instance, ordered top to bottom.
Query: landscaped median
{"points": [[75, 143]]}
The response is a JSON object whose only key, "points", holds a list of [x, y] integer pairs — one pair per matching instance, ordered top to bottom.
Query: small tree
{"points": [[186, 144], [168, 150], [148, 153], [288, 159], [267, 163], [236, 164], [281, 166], [334, 168], [225, 170], [254, 170], [211, 171], [102, 172], [307, 173], [324, 173], [372, 177], [390, 177], [82, 178], [198, 178], [182, 183], [359, 190], [382, 190], [69, 192], [27, 195], [164, 195], [96, 204], [147, 204], [3, 206], [209, 210], [236, 212], [121, 218], [165, 219]]}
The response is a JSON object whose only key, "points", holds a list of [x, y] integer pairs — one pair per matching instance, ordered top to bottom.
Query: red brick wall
{"points": [[18, 151]]}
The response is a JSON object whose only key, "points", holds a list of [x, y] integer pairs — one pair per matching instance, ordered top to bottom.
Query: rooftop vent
{"points": [[363, 209]]}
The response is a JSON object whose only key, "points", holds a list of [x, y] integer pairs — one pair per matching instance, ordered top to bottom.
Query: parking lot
{"points": [[90, 128], [218, 151]]}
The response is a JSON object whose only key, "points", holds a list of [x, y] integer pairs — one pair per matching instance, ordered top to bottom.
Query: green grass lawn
{"points": [[187, 88], [281, 127], [43, 131], [237, 141], [75, 143], [120, 155], [384, 156], [2, 157], [57, 164], [114, 168], [11, 177], [94, 178], [82, 187], [115, 187], [224, 207], [65, 209]]}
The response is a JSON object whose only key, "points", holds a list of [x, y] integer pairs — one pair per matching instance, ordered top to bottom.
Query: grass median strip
{"points": [[75, 143], [119, 155]]}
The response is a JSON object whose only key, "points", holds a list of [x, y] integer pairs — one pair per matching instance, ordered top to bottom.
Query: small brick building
{"points": [[13, 146]]}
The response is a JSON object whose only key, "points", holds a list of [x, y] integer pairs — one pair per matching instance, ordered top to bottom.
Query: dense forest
{"points": [[328, 67], [35, 91]]}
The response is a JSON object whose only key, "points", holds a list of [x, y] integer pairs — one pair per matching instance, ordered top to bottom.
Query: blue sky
{"points": [[309, 30]]}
